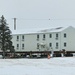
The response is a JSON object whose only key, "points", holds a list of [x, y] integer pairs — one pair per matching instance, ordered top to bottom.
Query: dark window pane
{"points": [[43, 35], [50, 35], [56, 35], [65, 35], [37, 36], [17, 37], [23, 37], [50, 44], [56, 44], [65, 44], [17, 45], [22, 45], [37, 45]]}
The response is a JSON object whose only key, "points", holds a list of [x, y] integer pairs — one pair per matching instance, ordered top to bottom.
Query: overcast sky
{"points": [[33, 14]]}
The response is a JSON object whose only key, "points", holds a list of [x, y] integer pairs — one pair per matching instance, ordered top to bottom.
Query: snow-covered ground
{"points": [[53, 66]]}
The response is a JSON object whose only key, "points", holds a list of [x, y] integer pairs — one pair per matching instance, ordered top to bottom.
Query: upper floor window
{"points": [[50, 35], [64, 35], [43, 36], [56, 36], [22, 37], [37, 37], [17, 38]]}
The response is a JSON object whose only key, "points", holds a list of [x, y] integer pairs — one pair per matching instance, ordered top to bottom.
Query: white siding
{"points": [[70, 39], [30, 40], [15, 42]]}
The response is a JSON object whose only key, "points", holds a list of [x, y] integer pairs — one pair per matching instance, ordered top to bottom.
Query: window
{"points": [[50, 35], [64, 35], [43, 36], [56, 36], [22, 37], [37, 37], [17, 38], [50, 44], [64, 44], [0, 45], [37, 45], [56, 45], [17, 46], [22, 46]]}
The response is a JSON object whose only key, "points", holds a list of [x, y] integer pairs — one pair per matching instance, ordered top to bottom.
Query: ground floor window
{"points": [[50, 44], [65, 44], [37, 45], [56, 45], [17, 46], [22, 46]]}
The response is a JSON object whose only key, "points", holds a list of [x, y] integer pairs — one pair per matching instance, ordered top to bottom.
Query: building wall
{"points": [[70, 39], [30, 41], [15, 42]]}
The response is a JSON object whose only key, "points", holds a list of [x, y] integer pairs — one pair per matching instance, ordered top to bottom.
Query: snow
{"points": [[35, 31], [52, 66]]}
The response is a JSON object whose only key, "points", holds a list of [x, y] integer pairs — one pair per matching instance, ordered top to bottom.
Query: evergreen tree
{"points": [[5, 36]]}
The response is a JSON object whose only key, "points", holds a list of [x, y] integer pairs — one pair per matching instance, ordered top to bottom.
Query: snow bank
{"points": [[53, 66]]}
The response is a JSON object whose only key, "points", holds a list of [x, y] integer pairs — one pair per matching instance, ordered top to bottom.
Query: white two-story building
{"points": [[54, 39]]}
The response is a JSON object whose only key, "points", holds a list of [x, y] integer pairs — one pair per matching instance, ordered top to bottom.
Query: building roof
{"points": [[58, 29], [26, 31], [36, 31]]}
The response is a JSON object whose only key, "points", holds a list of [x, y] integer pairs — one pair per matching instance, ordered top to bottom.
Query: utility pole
{"points": [[14, 23]]}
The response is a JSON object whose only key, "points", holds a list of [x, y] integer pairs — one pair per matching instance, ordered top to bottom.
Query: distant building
{"points": [[54, 39]]}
